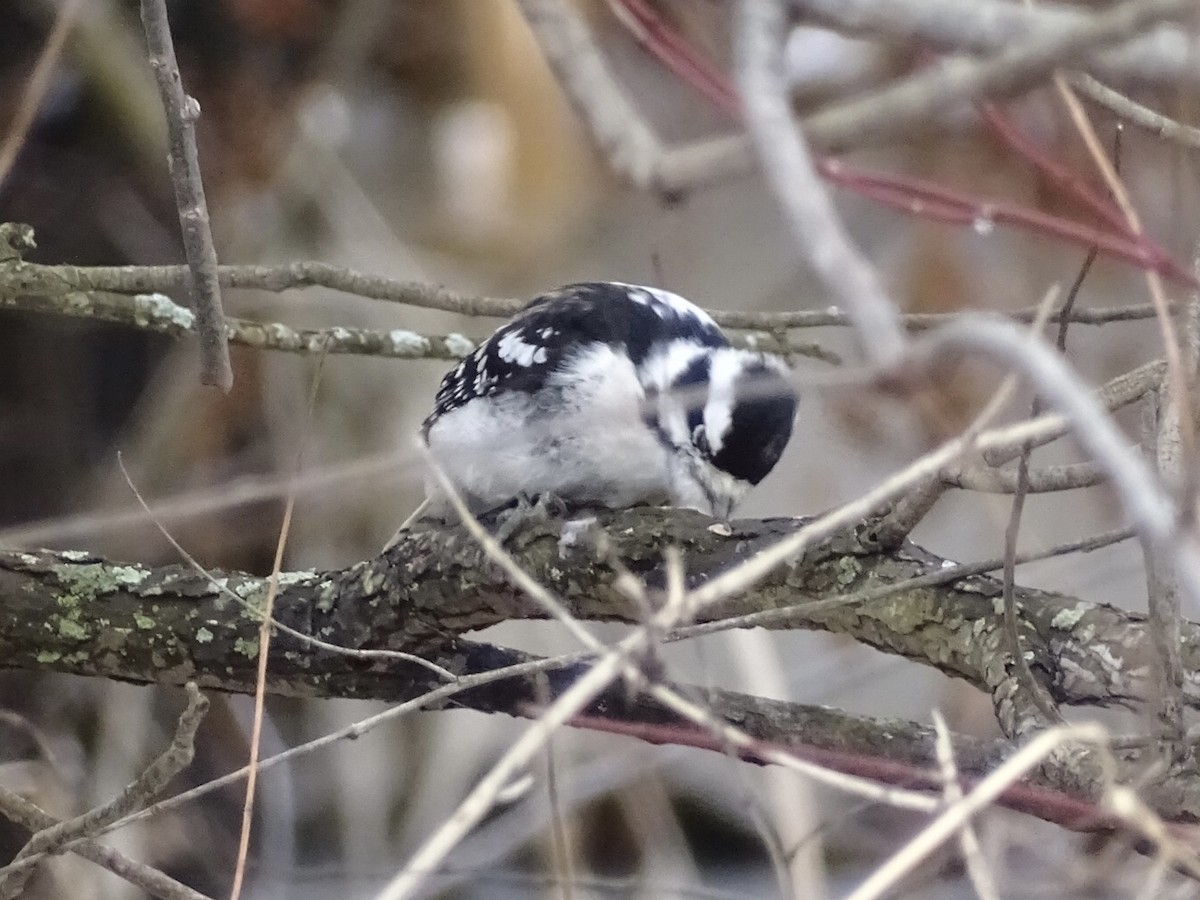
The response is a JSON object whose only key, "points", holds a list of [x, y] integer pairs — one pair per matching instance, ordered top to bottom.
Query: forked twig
{"points": [[136, 795]]}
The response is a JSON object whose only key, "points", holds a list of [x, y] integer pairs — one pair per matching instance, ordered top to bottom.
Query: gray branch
{"points": [[1164, 55], [182, 112], [888, 113], [20, 278], [159, 314], [67, 611], [50, 838]]}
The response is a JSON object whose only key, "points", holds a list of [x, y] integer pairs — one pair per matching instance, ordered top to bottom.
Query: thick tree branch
{"points": [[70, 612]]}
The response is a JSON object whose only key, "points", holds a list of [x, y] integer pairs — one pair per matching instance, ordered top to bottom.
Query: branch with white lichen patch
{"points": [[137, 297]]}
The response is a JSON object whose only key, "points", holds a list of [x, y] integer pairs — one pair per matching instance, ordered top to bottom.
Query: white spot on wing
{"points": [[663, 302], [512, 348]]}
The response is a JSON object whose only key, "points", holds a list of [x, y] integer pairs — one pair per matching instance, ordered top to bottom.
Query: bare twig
{"points": [[982, 27], [655, 34], [37, 85], [930, 93], [182, 112], [1142, 116], [623, 136], [1058, 173], [924, 199], [815, 224], [83, 284], [160, 314], [1004, 444], [1176, 450], [1051, 479], [1142, 497], [264, 643], [1032, 705], [136, 795], [959, 814], [560, 837], [977, 869], [149, 879]]}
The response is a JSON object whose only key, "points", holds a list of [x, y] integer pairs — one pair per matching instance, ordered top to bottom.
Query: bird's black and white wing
{"points": [[555, 327]]}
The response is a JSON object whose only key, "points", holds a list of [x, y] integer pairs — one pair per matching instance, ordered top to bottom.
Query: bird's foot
{"points": [[511, 518]]}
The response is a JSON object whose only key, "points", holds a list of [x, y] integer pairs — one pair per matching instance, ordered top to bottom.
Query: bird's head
{"points": [[726, 415]]}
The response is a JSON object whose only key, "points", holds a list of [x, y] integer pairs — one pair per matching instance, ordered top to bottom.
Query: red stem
{"points": [[695, 69], [1052, 170], [916, 196]]}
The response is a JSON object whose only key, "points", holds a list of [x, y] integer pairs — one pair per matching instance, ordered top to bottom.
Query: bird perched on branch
{"points": [[609, 394]]}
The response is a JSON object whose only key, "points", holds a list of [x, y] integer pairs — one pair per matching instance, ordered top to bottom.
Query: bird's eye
{"points": [[700, 440]]}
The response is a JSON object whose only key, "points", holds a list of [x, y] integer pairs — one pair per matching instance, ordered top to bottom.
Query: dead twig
{"points": [[182, 112], [1135, 113], [136, 795], [151, 880]]}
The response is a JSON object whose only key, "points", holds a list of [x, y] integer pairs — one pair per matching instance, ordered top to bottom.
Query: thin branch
{"points": [[651, 31], [1164, 55], [896, 109], [182, 112], [1135, 113], [626, 141], [1059, 174], [941, 204], [816, 227], [18, 277], [158, 313], [1004, 444], [1177, 452], [1048, 480], [1142, 497], [264, 639], [1031, 704], [136, 795], [941, 829], [982, 879], [151, 880]]}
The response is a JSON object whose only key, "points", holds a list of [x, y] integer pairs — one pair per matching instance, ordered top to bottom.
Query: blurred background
{"points": [[427, 140]]}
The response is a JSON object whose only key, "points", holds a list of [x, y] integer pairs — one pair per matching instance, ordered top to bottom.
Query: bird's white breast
{"points": [[580, 436]]}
